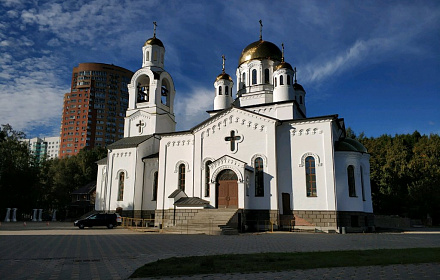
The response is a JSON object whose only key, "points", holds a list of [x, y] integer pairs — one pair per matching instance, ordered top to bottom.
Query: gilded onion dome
{"points": [[154, 41], [260, 50], [284, 65], [223, 76]]}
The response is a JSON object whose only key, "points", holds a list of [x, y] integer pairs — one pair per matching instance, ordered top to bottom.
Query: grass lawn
{"points": [[284, 261]]}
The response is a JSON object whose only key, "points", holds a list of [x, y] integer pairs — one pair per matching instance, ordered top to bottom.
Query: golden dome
{"points": [[154, 41], [260, 50], [283, 64], [223, 76]]}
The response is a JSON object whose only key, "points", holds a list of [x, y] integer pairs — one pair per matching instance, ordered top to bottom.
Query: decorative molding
{"points": [[140, 72], [253, 96], [139, 114], [233, 115], [305, 131], [180, 143], [123, 154], [304, 156], [263, 157], [206, 160], [227, 162], [220, 168], [176, 169], [121, 171], [152, 173]]}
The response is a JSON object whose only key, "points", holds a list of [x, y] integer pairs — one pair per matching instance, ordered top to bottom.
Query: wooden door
{"points": [[227, 194]]}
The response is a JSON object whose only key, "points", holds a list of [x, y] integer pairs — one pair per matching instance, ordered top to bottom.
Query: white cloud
{"points": [[31, 92], [190, 109]]}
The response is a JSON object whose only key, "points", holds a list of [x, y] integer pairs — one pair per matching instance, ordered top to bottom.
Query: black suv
{"points": [[108, 220]]}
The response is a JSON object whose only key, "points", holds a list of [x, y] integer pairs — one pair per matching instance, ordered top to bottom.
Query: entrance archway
{"points": [[227, 189]]}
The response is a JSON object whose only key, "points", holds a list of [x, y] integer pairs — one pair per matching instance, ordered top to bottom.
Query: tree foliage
{"points": [[18, 170], [405, 174], [26, 183]]}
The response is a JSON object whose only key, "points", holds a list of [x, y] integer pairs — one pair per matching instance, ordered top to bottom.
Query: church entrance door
{"points": [[227, 189]]}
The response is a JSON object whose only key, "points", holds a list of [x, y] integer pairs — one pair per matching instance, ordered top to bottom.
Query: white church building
{"points": [[257, 158]]}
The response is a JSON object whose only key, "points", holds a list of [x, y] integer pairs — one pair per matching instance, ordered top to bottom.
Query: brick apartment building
{"points": [[94, 109]]}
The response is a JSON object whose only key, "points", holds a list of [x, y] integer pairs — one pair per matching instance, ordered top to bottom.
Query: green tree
{"points": [[18, 171], [62, 176], [424, 186]]}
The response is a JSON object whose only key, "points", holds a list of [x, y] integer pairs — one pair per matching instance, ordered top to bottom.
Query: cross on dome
{"points": [[154, 29], [261, 29], [282, 52], [224, 59], [294, 73]]}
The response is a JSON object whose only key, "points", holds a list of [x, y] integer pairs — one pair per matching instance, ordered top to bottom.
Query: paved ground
{"points": [[61, 251]]}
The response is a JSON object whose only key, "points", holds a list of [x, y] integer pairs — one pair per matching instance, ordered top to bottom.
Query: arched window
{"points": [[155, 55], [147, 56], [162, 57], [266, 76], [254, 77], [243, 78], [288, 79], [281, 80], [275, 83], [219, 90], [226, 90], [231, 91], [164, 92], [300, 99], [182, 177], [310, 177], [155, 178], [259, 178], [207, 179], [351, 181], [362, 184], [121, 186]]}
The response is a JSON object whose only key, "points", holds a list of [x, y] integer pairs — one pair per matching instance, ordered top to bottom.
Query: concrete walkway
{"points": [[61, 251]]}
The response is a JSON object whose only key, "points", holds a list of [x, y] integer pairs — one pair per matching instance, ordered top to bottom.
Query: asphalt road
{"points": [[61, 251]]}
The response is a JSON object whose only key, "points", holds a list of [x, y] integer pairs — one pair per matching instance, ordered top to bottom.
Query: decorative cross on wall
{"points": [[140, 125], [232, 139]]}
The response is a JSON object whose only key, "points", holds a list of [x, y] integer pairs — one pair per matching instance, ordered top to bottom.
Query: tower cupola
{"points": [[153, 51], [282, 80], [223, 89], [299, 93]]}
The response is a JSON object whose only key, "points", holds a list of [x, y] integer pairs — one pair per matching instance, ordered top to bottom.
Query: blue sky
{"points": [[375, 63]]}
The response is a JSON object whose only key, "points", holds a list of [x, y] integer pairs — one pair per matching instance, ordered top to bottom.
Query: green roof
{"points": [[129, 142], [350, 145]]}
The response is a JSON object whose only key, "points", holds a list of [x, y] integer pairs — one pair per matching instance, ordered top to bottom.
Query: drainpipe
{"points": [[135, 177], [334, 178], [164, 183], [110, 187]]}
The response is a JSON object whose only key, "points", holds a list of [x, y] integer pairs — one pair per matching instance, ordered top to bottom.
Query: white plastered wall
{"points": [[312, 138], [360, 202]]}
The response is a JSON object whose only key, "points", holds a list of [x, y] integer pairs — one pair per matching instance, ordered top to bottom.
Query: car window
{"points": [[92, 217]]}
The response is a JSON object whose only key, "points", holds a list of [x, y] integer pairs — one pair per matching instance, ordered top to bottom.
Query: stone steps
{"points": [[208, 221]]}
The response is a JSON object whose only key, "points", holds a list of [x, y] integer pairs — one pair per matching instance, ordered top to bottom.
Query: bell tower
{"points": [[151, 94]]}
